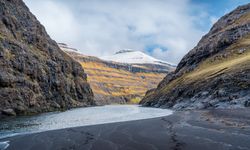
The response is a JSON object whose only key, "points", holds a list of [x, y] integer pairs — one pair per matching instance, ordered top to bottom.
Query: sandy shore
{"points": [[194, 130]]}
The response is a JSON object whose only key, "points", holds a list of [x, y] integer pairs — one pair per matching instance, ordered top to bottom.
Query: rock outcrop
{"points": [[215, 74], [35, 75], [121, 83]]}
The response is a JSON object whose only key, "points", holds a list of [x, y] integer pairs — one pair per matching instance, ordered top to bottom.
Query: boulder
{"points": [[9, 112]]}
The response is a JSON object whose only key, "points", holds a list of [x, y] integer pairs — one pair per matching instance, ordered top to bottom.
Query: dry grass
{"points": [[243, 19], [214, 67], [108, 81], [135, 100]]}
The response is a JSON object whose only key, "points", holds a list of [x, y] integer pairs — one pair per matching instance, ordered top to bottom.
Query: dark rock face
{"points": [[223, 34], [215, 74], [35, 75]]}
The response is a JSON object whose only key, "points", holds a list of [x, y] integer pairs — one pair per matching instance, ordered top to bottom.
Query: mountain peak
{"points": [[124, 51], [129, 56]]}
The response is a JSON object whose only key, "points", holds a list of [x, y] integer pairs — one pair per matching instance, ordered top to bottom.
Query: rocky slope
{"points": [[215, 74], [35, 75], [114, 82]]}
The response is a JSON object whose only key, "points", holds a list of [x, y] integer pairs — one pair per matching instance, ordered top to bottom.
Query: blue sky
{"points": [[218, 8], [165, 29]]}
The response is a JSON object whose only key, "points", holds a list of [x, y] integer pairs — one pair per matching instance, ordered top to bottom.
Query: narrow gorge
{"points": [[116, 89]]}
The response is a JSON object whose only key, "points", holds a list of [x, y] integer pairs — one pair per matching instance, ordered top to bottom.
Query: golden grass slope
{"points": [[236, 59], [112, 82]]}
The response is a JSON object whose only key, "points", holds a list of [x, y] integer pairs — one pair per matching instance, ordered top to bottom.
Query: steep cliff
{"points": [[215, 74], [35, 75], [114, 82]]}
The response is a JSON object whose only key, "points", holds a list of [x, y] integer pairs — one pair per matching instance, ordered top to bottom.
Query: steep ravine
{"points": [[215, 74], [35, 75]]}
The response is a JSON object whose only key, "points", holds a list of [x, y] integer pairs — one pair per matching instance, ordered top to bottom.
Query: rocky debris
{"points": [[241, 51], [34, 73], [226, 87], [247, 103], [55, 105], [9, 112]]}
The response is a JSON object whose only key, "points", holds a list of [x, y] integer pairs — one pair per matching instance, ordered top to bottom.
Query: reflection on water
{"points": [[78, 117], [4, 145]]}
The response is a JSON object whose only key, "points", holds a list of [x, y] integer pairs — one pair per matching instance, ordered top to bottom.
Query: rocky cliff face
{"points": [[215, 74], [35, 75], [114, 82]]}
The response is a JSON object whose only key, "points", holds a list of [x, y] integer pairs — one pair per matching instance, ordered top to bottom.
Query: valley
{"points": [[119, 82], [56, 97]]}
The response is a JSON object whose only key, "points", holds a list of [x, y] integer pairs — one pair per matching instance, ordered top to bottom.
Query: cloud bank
{"points": [[165, 29]]}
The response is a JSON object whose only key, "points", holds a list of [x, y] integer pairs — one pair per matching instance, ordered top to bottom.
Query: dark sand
{"points": [[196, 130]]}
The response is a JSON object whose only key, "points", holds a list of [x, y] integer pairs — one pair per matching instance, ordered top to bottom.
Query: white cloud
{"points": [[100, 27]]}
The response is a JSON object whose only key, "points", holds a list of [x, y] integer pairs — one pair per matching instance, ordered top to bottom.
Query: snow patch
{"points": [[134, 57]]}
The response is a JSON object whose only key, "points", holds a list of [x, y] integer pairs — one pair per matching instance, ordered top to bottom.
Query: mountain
{"points": [[135, 57], [215, 73], [35, 75], [115, 82]]}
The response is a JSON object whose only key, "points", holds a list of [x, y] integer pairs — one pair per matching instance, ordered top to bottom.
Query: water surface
{"points": [[78, 117]]}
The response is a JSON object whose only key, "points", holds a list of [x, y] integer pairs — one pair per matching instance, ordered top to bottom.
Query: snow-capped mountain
{"points": [[134, 57], [104, 74]]}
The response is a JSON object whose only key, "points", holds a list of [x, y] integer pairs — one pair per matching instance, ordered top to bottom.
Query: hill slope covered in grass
{"points": [[215, 74], [114, 82]]}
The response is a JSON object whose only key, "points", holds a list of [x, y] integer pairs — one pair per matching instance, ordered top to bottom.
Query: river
{"points": [[77, 117]]}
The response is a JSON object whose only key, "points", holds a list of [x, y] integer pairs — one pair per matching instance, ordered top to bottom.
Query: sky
{"points": [[164, 29]]}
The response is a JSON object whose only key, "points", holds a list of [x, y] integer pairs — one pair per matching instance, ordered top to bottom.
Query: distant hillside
{"points": [[215, 74], [114, 82]]}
